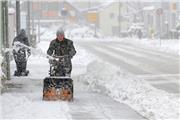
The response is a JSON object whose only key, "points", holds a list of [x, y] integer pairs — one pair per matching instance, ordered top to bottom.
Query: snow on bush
{"points": [[124, 87]]}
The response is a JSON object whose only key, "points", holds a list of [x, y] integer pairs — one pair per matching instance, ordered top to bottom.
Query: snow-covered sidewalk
{"points": [[23, 96], [23, 100]]}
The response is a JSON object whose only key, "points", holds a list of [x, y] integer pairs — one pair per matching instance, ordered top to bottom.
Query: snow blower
{"points": [[59, 85]]}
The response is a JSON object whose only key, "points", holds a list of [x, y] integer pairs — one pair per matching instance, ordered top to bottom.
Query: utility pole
{"points": [[39, 14], [17, 17], [119, 19], [28, 20], [32, 20], [5, 36], [32, 38]]}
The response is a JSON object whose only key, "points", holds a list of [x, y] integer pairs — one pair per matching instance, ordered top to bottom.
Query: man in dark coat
{"points": [[64, 48], [20, 53]]}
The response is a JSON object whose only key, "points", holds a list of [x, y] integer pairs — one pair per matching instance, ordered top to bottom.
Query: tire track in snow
{"points": [[135, 68]]}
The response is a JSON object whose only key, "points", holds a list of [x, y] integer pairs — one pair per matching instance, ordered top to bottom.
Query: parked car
{"points": [[136, 30], [175, 33]]}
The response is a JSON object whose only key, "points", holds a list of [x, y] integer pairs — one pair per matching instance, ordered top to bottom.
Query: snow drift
{"points": [[0, 71], [0, 86], [124, 87]]}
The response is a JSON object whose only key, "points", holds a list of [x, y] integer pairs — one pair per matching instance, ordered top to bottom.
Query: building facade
{"points": [[114, 15]]}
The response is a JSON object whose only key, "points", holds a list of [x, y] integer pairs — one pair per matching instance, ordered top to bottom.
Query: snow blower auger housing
{"points": [[59, 85], [58, 88]]}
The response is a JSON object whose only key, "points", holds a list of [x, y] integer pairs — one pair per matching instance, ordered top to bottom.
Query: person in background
{"points": [[21, 52]]}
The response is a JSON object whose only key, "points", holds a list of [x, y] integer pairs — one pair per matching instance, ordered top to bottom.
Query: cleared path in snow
{"points": [[158, 68], [91, 105]]}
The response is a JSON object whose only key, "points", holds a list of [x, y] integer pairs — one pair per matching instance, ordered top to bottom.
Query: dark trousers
{"points": [[21, 66], [60, 70], [63, 70]]}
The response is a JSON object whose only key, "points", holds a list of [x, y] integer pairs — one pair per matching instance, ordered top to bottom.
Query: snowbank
{"points": [[168, 46], [82, 58], [0, 71], [0, 87], [152, 103]]}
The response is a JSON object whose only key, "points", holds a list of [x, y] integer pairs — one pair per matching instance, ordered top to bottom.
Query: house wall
{"points": [[52, 11], [107, 19], [111, 20], [124, 20], [160, 23]]}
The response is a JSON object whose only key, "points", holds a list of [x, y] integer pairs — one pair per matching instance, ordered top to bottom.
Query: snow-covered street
{"points": [[160, 69], [112, 80]]}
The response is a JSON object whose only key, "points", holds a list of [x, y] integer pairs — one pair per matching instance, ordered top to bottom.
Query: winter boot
{"points": [[17, 73], [25, 73]]}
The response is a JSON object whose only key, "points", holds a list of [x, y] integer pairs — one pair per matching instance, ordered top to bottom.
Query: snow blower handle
{"points": [[49, 57], [57, 58], [61, 58]]}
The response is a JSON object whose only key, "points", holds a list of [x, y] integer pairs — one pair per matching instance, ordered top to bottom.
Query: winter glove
{"points": [[28, 52], [15, 57], [62, 59], [51, 61]]}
